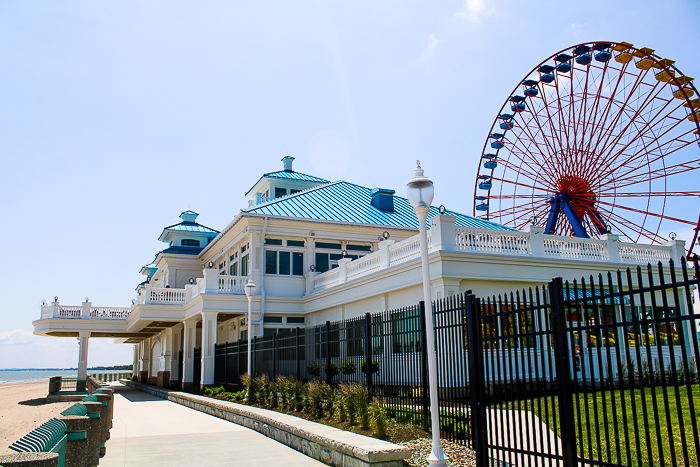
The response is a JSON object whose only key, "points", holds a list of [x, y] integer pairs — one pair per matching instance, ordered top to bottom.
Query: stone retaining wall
{"points": [[327, 444]]}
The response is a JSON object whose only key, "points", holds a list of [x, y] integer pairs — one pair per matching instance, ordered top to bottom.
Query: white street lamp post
{"points": [[420, 193], [249, 292]]}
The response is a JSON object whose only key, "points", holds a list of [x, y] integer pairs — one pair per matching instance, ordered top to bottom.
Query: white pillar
{"points": [[442, 232], [536, 239], [612, 246], [677, 252], [384, 257], [343, 269], [211, 280], [85, 310], [209, 323], [188, 351], [175, 352], [83, 354], [135, 368]]}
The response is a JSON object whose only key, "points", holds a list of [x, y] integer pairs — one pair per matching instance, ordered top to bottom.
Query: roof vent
{"points": [[288, 163], [382, 198], [189, 216]]}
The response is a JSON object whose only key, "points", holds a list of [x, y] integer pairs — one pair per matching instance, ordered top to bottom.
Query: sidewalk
{"points": [[151, 431]]}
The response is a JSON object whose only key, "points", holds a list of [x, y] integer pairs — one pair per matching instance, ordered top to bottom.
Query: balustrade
{"points": [[496, 241], [232, 284], [166, 295]]}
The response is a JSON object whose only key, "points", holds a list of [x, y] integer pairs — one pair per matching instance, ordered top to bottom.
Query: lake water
{"points": [[26, 376]]}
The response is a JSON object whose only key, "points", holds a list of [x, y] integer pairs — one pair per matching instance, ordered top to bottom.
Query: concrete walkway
{"points": [[151, 431]]}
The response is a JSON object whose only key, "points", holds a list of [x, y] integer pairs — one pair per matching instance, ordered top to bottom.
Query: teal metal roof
{"points": [[290, 175], [347, 202], [191, 227]]}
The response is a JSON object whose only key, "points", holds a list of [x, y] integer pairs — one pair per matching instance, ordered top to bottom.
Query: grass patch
{"points": [[611, 437]]}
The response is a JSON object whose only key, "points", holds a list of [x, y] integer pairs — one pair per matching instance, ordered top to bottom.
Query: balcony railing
{"points": [[445, 236], [232, 284], [84, 311]]}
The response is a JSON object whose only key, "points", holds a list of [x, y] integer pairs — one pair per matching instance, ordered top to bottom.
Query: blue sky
{"points": [[117, 116]]}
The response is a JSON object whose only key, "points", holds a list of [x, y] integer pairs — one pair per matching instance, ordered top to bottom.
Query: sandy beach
{"points": [[23, 407]]}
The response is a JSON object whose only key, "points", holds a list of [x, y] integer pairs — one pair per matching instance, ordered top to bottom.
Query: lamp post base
{"points": [[435, 461]]}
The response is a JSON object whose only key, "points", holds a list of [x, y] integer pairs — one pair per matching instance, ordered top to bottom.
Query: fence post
{"points": [[368, 351], [328, 352], [475, 354], [274, 355], [298, 355], [562, 365], [425, 400]]}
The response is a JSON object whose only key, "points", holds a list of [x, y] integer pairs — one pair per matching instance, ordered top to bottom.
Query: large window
{"points": [[280, 192], [189, 242], [284, 263]]}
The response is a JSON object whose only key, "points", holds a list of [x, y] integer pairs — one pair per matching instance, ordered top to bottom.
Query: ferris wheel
{"points": [[600, 137]]}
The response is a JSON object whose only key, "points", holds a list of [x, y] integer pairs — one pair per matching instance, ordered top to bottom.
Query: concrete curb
{"points": [[329, 445]]}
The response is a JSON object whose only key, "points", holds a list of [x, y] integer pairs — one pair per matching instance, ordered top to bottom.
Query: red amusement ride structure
{"points": [[600, 137]]}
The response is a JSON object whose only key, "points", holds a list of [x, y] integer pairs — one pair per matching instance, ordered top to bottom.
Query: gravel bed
{"points": [[457, 455]]}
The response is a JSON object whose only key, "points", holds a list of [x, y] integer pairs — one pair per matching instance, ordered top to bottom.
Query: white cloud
{"points": [[475, 10], [429, 49]]}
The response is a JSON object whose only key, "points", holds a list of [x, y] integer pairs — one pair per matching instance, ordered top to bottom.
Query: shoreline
{"points": [[23, 407]]}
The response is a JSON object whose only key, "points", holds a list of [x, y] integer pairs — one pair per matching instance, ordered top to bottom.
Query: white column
{"points": [[442, 232], [536, 239], [612, 246], [677, 252], [384, 257], [343, 269], [211, 280], [147, 294], [85, 310], [209, 324], [166, 336], [188, 351], [175, 352], [83, 354], [135, 368]]}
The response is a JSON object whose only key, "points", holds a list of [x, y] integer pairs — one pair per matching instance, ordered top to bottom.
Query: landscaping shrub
{"points": [[348, 366], [374, 366], [314, 369], [332, 369], [251, 389], [317, 392], [378, 419]]}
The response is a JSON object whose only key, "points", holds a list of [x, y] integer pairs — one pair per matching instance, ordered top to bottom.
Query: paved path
{"points": [[151, 431]]}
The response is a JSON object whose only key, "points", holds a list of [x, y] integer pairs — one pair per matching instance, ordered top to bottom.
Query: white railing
{"points": [[495, 241], [572, 247], [404, 251], [633, 253], [364, 265], [327, 279], [232, 284], [165, 295], [69, 311], [109, 313]]}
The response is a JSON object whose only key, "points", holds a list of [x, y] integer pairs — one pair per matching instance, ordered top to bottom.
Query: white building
{"points": [[317, 251]]}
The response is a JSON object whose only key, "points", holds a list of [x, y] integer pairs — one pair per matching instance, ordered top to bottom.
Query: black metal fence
{"points": [[602, 371], [594, 372]]}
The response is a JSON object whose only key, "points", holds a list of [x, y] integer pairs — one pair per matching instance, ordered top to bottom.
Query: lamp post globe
{"points": [[420, 191], [249, 292]]}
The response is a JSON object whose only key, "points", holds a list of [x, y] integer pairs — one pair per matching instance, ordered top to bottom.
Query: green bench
{"points": [[49, 437]]}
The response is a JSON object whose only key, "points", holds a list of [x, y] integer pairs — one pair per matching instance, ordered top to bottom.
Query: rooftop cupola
{"points": [[288, 163], [382, 198], [189, 216]]}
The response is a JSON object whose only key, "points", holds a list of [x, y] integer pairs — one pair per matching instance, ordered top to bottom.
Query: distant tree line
{"points": [[115, 367]]}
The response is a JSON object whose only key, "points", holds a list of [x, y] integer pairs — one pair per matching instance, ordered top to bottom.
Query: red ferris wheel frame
{"points": [[597, 157]]}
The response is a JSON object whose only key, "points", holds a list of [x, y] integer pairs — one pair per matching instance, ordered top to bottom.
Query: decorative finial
{"points": [[418, 163]]}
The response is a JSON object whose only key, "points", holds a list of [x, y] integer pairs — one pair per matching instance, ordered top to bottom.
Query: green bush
{"points": [[348, 366], [374, 366], [314, 369], [332, 369], [251, 389], [378, 419]]}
